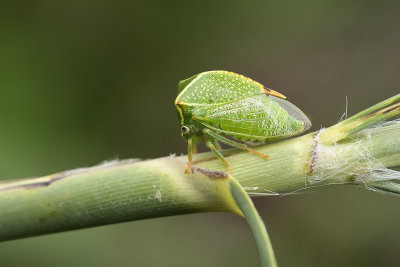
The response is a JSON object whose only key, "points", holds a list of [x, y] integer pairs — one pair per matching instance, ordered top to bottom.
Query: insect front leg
{"points": [[227, 141], [210, 143], [190, 147], [194, 147]]}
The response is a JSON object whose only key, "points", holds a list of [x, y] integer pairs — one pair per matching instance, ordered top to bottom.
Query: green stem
{"points": [[375, 107], [360, 121], [387, 186], [124, 191], [255, 222]]}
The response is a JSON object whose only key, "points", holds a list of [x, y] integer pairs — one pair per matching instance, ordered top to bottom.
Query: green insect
{"points": [[215, 104]]}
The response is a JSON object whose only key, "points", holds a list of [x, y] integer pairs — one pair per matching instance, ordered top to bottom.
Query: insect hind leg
{"points": [[227, 141]]}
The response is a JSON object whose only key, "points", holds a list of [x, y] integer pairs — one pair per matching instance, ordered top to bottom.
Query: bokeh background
{"points": [[87, 81]]}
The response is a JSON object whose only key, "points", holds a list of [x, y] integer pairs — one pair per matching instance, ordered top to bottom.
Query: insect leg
{"points": [[190, 143], [210, 143], [233, 143], [217, 145], [194, 147]]}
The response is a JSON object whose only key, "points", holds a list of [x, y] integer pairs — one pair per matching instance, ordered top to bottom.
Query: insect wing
{"points": [[293, 111], [256, 117]]}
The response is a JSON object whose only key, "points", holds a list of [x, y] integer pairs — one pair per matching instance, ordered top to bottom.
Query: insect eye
{"points": [[184, 129]]}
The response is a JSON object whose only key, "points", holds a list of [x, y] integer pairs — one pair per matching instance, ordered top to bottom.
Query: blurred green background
{"points": [[86, 81]]}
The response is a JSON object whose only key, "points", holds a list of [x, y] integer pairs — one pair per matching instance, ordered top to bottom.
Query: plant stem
{"points": [[132, 190], [255, 222]]}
